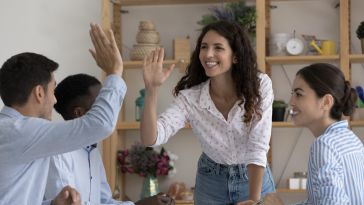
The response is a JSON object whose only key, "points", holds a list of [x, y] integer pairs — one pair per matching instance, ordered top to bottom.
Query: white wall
{"points": [[316, 17], [56, 29], [59, 30]]}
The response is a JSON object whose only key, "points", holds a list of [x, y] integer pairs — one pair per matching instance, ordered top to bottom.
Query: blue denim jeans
{"points": [[218, 184]]}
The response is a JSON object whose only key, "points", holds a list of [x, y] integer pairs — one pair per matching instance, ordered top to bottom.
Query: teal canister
{"points": [[139, 105]]}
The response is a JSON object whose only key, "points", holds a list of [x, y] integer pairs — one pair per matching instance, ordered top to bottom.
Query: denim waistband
{"points": [[234, 169]]}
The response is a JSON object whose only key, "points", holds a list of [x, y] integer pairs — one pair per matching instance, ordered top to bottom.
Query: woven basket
{"points": [[146, 25], [147, 37], [140, 50]]}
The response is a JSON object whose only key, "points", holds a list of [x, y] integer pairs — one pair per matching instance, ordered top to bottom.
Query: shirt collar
{"points": [[11, 112], [336, 125]]}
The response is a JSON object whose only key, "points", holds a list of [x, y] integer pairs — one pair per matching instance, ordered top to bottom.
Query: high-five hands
{"points": [[106, 52], [153, 72], [67, 196]]}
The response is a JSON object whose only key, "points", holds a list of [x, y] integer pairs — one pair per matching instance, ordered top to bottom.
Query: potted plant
{"points": [[235, 12], [360, 35], [279, 110]]}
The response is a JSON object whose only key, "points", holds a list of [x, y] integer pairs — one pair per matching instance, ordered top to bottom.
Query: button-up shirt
{"points": [[228, 141], [26, 143], [336, 167], [82, 169]]}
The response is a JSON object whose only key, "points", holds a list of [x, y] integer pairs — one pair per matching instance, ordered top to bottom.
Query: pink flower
{"points": [[144, 161]]}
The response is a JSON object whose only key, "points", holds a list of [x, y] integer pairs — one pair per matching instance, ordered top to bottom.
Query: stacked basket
{"points": [[147, 40]]}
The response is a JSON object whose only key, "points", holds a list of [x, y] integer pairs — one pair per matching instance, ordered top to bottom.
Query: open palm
{"points": [[153, 72]]}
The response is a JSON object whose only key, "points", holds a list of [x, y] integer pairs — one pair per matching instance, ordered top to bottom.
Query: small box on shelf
{"points": [[182, 50]]}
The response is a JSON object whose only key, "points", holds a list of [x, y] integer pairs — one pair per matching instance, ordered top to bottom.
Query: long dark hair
{"points": [[244, 73], [324, 79]]}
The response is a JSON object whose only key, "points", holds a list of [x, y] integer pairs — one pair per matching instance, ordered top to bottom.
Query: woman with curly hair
{"points": [[228, 103]]}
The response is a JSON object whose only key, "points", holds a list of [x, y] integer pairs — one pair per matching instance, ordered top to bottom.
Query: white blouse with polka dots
{"points": [[228, 141]]}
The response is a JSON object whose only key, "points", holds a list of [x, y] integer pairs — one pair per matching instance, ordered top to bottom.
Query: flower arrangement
{"points": [[233, 12], [145, 161]]}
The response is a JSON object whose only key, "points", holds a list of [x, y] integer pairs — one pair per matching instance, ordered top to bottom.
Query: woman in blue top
{"points": [[320, 96]]}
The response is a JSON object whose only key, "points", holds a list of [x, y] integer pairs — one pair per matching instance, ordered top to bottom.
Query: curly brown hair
{"points": [[244, 72]]}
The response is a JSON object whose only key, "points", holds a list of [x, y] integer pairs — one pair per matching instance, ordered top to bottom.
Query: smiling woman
{"points": [[319, 99], [228, 104]]}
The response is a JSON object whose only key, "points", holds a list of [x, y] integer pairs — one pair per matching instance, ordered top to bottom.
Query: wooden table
{"points": [[181, 202]]}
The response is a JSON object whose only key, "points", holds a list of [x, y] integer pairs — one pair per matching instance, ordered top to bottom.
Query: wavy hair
{"points": [[244, 73]]}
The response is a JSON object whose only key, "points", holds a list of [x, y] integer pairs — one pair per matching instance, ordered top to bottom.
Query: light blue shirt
{"points": [[26, 143], [336, 167], [82, 169]]}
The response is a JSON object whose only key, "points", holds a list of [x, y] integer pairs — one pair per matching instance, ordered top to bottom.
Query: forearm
{"points": [[148, 125], [255, 174]]}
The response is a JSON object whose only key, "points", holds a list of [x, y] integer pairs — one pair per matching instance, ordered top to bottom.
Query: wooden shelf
{"points": [[169, 2], [357, 58], [300, 59], [139, 64], [357, 123], [283, 124], [135, 126], [280, 190], [183, 202]]}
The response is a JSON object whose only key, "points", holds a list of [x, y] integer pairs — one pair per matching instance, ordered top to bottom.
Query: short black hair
{"points": [[21, 73], [71, 91]]}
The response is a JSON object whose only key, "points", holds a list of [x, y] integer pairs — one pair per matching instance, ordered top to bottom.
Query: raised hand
{"points": [[105, 52], [153, 72], [67, 196]]}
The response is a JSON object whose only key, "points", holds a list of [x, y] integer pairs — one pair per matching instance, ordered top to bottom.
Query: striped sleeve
{"points": [[327, 181]]}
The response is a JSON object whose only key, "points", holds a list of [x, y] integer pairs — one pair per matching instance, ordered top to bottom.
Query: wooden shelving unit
{"points": [[169, 2], [344, 58], [357, 58], [300, 59], [139, 64], [135, 125], [291, 190]]}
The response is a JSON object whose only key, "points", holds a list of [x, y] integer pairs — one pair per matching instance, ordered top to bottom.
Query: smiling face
{"points": [[216, 55], [307, 107]]}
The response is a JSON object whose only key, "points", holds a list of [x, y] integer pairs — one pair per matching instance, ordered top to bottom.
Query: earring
{"points": [[235, 60]]}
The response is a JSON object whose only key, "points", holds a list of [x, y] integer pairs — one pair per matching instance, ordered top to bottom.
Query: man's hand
{"points": [[106, 52], [67, 196], [159, 199]]}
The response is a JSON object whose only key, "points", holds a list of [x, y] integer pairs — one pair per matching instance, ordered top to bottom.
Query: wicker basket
{"points": [[146, 25], [147, 37], [141, 50]]}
